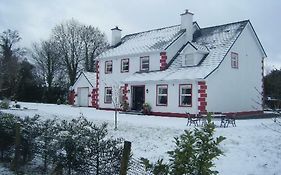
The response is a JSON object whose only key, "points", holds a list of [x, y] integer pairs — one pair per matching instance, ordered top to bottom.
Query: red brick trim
{"points": [[163, 60], [97, 85], [202, 102]]}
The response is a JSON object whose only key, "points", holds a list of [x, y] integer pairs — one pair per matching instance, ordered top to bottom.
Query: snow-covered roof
{"points": [[218, 40], [143, 42], [90, 77]]}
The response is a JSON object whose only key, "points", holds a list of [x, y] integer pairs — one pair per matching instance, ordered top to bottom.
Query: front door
{"points": [[138, 97], [83, 98]]}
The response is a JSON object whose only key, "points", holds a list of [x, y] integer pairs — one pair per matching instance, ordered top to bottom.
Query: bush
{"points": [[58, 101], [4, 104], [125, 106], [146, 108], [196, 150]]}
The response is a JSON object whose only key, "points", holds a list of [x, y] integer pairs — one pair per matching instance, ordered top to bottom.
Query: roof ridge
{"points": [[220, 25], [151, 30]]}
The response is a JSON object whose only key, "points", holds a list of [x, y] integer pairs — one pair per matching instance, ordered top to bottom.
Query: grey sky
{"points": [[34, 19]]}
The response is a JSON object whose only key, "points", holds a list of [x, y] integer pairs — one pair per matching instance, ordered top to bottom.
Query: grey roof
{"points": [[218, 40], [148, 41]]}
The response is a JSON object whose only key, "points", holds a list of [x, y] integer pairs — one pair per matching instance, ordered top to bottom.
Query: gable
{"points": [[85, 79]]}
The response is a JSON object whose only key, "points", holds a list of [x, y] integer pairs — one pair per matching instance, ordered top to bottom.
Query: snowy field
{"points": [[251, 148]]}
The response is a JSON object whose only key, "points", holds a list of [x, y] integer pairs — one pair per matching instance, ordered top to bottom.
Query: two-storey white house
{"points": [[183, 68]]}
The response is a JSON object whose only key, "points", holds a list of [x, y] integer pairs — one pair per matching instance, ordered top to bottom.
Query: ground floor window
{"points": [[108, 95], [162, 95], [185, 95]]}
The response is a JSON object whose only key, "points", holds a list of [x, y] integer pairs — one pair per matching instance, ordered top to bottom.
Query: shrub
{"points": [[58, 101], [4, 104], [125, 106], [146, 108], [196, 150]]}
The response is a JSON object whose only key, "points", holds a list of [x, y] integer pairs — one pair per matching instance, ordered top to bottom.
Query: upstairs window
{"points": [[188, 59], [234, 60], [144, 63], [125, 65], [108, 67], [108, 95], [162, 95], [185, 95]]}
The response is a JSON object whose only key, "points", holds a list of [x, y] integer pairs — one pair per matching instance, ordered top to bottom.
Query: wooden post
{"points": [[125, 158]]}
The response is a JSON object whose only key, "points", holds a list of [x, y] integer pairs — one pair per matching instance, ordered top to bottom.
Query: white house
{"points": [[184, 68], [83, 89]]}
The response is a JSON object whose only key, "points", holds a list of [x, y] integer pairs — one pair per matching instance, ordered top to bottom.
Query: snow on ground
{"points": [[251, 148]]}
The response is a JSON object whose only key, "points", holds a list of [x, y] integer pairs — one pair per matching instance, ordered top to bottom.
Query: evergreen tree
{"points": [[195, 151]]}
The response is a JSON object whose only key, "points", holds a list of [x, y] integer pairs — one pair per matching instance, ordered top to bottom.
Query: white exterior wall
{"points": [[113, 80], [82, 82], [233, 90], [173, 97]]}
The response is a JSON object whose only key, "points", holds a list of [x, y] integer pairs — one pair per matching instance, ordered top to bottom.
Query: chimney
{"points": [[187, 23], [116, 36]]}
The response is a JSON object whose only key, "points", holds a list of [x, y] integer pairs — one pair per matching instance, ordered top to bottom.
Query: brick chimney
{"points": [[187, 23], [115, 36]]}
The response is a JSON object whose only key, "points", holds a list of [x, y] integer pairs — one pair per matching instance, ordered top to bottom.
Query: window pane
{"points": [[144, 63], [162, 90], [186, 90], [162, 100], [186, 100]]}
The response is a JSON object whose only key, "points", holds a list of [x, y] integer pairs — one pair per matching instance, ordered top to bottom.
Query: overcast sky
{"points": [[34, 19]]}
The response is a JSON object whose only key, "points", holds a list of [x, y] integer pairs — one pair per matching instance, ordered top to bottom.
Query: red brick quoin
{"points": [[163, 60], [202, 92], [96, 93]]}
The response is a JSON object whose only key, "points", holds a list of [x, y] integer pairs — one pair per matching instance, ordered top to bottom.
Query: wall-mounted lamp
{"points": [[146, 90], [128, 91]]}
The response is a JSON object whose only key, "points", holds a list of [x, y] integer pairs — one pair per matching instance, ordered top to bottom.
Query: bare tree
{"points": [[68, 40], [94, 44], [9, 54], [47, 60]]}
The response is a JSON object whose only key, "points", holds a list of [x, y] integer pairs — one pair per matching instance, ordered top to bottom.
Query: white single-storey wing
{"points": [[184, 68], [83, 89]]}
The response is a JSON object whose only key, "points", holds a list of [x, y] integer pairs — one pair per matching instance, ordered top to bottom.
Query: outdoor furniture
{"points": [[224, 119], [192, 120]]}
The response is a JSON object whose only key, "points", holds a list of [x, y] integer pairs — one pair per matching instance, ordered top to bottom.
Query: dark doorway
{"points": [[138, 97]]}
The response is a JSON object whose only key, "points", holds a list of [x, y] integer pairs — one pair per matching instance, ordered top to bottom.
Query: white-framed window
{"points": [[188, 59], [234, 60], [144, 63], [125, 65], [108, 67], [108, 95], [162, 95], [185, 95]]}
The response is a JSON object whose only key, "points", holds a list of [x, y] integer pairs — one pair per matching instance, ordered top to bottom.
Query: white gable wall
{"points": [[82, 82], [233, 90]]}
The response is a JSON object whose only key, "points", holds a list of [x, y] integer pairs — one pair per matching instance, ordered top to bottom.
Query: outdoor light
{"points": [[128, 90], [146, 90]]}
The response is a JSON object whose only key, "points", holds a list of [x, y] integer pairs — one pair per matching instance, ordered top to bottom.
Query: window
{"points": [[188, 59], [234, 60], [125, 65], [144, 66], [108, 67], [108, 95], [162, 95], [185, 95]]}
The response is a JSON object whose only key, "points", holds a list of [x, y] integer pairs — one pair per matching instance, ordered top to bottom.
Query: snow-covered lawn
{"points": [[251, 148]]}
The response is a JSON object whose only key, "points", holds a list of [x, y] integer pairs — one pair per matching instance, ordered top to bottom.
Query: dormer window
{"points": [[188, 59], [144, 63], [108, 67]]}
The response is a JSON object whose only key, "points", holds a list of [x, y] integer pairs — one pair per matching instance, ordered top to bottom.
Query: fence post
{"points": [[125, 158]]}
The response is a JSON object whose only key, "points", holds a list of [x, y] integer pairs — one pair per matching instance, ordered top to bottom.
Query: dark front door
{"points": [[138, 97]]}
